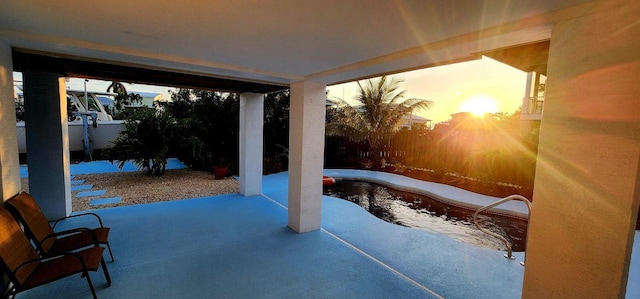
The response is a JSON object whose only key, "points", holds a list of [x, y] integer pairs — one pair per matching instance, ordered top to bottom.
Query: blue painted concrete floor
{"points": [[231, 246]]}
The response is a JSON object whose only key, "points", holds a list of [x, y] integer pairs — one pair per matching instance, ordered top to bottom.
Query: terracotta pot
{"points": [[220, 173]]}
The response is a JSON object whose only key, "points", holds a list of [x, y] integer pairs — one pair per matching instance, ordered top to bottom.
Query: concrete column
{"points": [[527, 94], [47, 142], [251, 143], [306, 155], [9, 163], [587, 185]]}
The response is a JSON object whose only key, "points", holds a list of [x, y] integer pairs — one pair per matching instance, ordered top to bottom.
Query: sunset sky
{"points": [[466, 86], [451, 87]]}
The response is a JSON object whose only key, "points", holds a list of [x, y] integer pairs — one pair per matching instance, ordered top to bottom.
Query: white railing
{"points": [[536, 105]]}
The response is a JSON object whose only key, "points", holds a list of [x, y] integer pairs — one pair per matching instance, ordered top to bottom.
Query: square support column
{"points": [[47, 142], [251, 143], [306, 155], [9, 162], [587, 184]]}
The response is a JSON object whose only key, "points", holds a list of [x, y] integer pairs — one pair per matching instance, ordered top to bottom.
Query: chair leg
{"points": [[110, 253], [106, 272], [10, 291], [93, 291]]}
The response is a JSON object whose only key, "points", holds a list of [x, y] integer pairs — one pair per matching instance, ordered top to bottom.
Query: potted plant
{"points": [[220, 169]]}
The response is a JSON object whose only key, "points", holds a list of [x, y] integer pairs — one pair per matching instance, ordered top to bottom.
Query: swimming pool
{"points": [[423, 212]]}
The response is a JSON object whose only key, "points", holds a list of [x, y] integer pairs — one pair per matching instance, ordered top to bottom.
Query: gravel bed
{"points": [[137, 188]]}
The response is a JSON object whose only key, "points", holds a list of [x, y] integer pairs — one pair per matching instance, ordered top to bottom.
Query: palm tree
{"points": [[117, 88], [122, 98], [379, 112]]}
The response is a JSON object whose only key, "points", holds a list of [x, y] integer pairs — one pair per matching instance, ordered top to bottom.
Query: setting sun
{"points": [[479, 105]]}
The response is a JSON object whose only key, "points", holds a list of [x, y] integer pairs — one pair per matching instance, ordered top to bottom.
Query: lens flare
{"points": [[479, 105]]}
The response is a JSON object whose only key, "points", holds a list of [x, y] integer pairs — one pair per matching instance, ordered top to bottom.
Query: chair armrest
{"points": [[78, 215], [80, 230], [76, 255], [44, 259], [36, 260]]}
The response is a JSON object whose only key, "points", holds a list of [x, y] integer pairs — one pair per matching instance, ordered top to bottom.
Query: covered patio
{"points": [[586, 195], [233, 246]]}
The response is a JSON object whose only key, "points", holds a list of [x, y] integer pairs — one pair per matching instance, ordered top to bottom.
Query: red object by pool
{"points": [[327, 180]]}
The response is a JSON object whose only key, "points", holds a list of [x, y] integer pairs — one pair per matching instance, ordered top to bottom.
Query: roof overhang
{"points": [[527, 58], [83, 67]]}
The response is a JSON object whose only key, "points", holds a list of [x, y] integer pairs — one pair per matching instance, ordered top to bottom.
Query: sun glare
{"points": [[479, 105]]}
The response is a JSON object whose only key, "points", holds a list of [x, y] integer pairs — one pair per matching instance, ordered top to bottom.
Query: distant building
{"points": [[533, 101], [409, 121]]}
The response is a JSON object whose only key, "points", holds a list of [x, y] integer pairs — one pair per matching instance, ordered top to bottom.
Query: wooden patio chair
{"points": [[47, 241], [26, 270]]}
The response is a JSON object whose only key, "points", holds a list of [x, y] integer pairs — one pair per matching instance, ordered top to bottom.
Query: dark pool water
{"points": [[414, 210]]}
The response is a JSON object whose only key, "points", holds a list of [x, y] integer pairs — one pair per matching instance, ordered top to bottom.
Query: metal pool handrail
{"points": [[509, 254]]}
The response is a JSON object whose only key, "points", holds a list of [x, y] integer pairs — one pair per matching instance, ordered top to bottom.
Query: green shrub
{"points": [[207, 127], [144, 141]]}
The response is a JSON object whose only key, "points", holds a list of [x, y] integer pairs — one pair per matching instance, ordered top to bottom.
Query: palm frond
{"points": [[379, 112], [344, 130]]}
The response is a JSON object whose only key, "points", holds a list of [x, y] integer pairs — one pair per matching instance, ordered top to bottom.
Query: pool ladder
{"points": [[509, 254]]}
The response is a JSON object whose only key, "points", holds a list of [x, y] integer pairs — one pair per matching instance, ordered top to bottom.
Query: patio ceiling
{"points": [[276, 42]]}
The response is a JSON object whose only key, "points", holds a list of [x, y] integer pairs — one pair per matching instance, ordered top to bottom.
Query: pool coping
{"points": [[448, 194]]}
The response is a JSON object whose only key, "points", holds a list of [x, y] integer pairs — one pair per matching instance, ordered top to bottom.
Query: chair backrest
{"points": [[36, 225], [15, 249]]}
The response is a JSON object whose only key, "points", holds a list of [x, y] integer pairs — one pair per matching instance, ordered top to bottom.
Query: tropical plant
{"points": [[117, 88], [122, 98], [19, 109], [379, 111], [208, 127], [276, 132], [144, 141]]}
